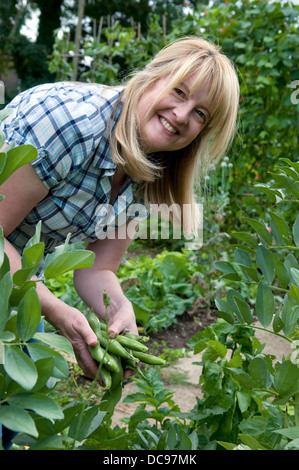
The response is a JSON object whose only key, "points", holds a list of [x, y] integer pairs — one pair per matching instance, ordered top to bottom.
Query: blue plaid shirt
{"points": [[69, 124]]}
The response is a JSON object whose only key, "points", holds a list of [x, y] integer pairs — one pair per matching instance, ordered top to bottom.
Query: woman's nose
{"points": [[181, 112]]}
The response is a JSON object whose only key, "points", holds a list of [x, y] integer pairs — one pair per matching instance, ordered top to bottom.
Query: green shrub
{"points": [[251, 398]]}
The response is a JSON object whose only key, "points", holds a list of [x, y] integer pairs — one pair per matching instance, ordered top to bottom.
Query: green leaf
{"points": [[4, 113], [15, 158], [293, 165], [289, 172], [291, 186], [272, 194], [260, 229], [280, 229], [296, 231], [36, 237], [245, 237], [1, 246], [243, 258], [31, 259], [69, 261], [291, 262], [245, 263], [265, 263], [174, 266], [5, 267], [227, 268], [281, 271], [251, 273], [295, 276], [5, 291], [18, 292], [294, 293], [232, 295], [264, 306], [244, 310], [225, 311], [288, 314], [29, 315], [290, 320], [278, 324], [56, 341], [218, 347], [40, 351], [20, 367], [44, 369], [259, 372], [241, 376], [286, 377], [244, 399], [40, 403], [69, 413], [17, 420], [82, 427], [290, 433], [251, 442], [50, 443], [227, 445]]}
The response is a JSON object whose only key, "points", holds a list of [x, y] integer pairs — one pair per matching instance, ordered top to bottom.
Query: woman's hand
{"points": [[72, 324]]}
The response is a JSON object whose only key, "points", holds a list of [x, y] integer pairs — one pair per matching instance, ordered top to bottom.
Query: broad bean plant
{"points": [[29, 366], [250, 398]]}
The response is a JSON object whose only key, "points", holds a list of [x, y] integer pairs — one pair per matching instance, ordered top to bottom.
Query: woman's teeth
{"points": [[167, 126]]}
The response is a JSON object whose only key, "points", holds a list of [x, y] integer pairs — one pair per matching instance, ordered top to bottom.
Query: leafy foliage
{"points": [[160, 288], [29, 370], [246, 390]]}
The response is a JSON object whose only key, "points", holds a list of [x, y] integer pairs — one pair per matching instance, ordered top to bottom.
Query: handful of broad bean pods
{"points": [[114, 354]]}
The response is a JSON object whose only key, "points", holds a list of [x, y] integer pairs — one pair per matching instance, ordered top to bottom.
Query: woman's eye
{"points": [[179, 91], [201, 115]]}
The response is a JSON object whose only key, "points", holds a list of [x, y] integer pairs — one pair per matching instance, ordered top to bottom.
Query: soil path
{"points": [[183, 376]]}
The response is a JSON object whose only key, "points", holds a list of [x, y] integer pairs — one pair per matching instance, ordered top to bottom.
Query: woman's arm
{"points": [[22, 191], [90, 284]]}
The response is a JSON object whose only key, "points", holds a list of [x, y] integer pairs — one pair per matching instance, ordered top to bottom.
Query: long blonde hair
{"points": [[171, 178]]}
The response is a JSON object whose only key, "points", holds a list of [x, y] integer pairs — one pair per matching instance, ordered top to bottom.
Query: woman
{"points": [[115, 146]]}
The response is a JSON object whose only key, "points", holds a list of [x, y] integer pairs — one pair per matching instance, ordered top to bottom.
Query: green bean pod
{"points": [[94, 322], [141, 339], [124, 340], [131, 343], [114, 347], [102, 357], [148, 358], [130, 363], [106, 376], [117, 377]]}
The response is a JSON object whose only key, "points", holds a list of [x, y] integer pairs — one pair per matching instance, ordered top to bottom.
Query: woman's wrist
{"points": [[51, 306]]}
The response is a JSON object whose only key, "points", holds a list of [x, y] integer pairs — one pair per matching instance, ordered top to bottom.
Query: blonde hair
{"points": [[171, 179]]}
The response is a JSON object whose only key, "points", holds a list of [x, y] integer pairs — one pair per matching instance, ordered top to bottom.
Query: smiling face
{"points": [[175, 120]]}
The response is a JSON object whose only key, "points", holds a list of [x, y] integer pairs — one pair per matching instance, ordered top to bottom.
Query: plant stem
{"points": [[284, 247], [268, 331]]}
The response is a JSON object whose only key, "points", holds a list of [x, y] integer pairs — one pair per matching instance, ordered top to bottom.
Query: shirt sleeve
{"points": [[60, 129]]}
